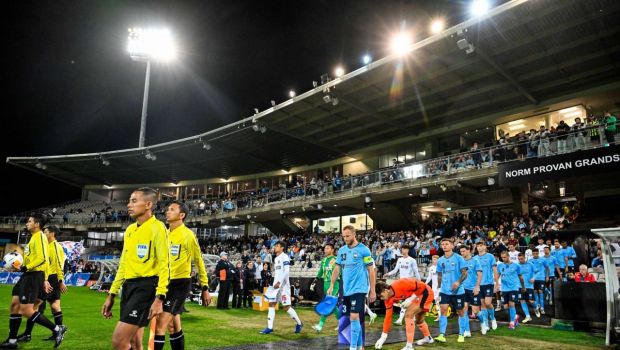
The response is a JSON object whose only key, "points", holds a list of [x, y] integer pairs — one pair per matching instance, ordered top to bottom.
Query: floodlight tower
{"points": [[146, 45]]}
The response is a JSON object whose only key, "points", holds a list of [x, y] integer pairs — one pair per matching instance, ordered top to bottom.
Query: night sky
{"points": [[70, 86]]}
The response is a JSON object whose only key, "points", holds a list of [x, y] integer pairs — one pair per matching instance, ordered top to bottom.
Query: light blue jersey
{"points": [[570, 253], [558, 254], [487, 261], [354, 263], [551, 264], [540, 265], [473, 266], [450, 269], [528, 271], [509, 276]]}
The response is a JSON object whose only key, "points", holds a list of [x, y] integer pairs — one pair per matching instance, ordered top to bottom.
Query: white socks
{"points": [[291, 312], [271, 315]]}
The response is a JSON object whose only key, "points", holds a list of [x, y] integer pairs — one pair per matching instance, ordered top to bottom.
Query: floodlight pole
{"points": [[145, 103]]}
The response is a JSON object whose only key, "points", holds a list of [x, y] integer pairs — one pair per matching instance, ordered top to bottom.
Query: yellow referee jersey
{"points": [[183, 249], [35, 254], [145, 254], [57, 260]]}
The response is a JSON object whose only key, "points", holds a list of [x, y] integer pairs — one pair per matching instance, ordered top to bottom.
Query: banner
{"points": [[562, 166], [10, 277], [77, 279]]}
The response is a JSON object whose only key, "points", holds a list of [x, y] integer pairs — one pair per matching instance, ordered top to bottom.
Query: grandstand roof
{"points": [[526, 54]]}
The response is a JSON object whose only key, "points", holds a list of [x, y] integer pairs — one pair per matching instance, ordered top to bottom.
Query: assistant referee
{"points": [[184, 249], [143, 271]]}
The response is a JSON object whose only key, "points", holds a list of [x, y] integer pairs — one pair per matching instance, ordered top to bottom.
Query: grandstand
{"points": [[463, 137]]}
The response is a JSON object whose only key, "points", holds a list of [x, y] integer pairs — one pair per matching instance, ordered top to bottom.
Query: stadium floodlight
{"points": [[479, 8], [437, 26], [400, 43], [146, 45], [366, 59], [339, 71], [291, 94], [273, 103], [255, 112], [256, 127], [263, 129], [206, 146], [150, 155], [105, 161], [40, 165], [491, 181], [424, 191], [319, 206], [281, 211]]}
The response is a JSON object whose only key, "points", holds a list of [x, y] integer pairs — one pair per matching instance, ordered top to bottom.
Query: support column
{"points": [[520, 200]]}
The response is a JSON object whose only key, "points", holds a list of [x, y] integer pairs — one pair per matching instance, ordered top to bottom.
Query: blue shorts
{"points": [[539, 285], [486, 291], [528, 294], [510, 296], [472, 299], [457, 302], [354, 303]]}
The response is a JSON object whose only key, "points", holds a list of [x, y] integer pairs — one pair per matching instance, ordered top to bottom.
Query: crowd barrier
{"points": [[71, 279]]}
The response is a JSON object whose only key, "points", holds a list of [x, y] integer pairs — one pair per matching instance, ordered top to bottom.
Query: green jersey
{"points": [[326, 269]]}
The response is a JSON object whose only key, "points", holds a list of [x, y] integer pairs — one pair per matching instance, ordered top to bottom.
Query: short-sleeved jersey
{"points": [[184, 249], [570, 253], [558, 254], [36, 255], [514, 256], [56, 260], [487, 261], [354, 262], [552, 262], [540, 266], [407, 267], [473, 267], [281, 268], [326, 269], [450, 269], [528, 271], [509, 277], [403, 289]]}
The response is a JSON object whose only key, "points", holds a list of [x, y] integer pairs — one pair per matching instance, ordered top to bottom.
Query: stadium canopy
{"points": [[522, 56]]}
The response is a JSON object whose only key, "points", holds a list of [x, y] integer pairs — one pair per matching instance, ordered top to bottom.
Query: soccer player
{"points": [[184, 249], [513, 253], [569, 254], [560, 259], [552, 264], [406, 267], [143, 272], [325, 272], [451, 272], [528, 272], [358, 278], [540, 278], [56, 279], [432, 279], [511, 282], [31, 284], [471, 285], [488, 286], [281, 289], [417, 298]]}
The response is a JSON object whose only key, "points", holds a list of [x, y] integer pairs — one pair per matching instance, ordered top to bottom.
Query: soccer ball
{"points": [[13, 260]]}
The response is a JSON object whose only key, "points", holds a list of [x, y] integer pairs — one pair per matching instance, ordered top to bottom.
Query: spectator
{"points": [[610, 127], [598, 260], [583, 275]]}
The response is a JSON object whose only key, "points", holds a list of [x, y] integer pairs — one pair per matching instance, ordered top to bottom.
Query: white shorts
{"points": [[281, 295]]}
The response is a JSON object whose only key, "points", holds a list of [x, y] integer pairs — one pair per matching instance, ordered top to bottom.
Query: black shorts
{"points": [[557, 275], [539, 285], [29, 287], [178, 290], [486, 291], [55, 293], [527, 295], [510, 296], [136, 299], [472, 299], [457, 302], [354, 303]]}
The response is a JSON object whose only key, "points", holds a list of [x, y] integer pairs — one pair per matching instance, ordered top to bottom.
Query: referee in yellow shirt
{"points": [[184, 249], [143, 271], [56, 278], [31, 284]]}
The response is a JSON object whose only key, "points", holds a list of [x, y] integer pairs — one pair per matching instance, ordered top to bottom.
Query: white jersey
{"points": [[541, 249], [528, 255], [514, 256], [281, 267], [407, 268], [432, 277]]}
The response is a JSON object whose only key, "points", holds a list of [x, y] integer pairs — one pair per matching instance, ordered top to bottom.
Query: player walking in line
{"points": [[184, 249], [406, 267], [452, 271], [527, 271], [143, 272], [358, 278], [540, 278], [511, 282], [471, 286], [488, 287], [280, 291]]}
